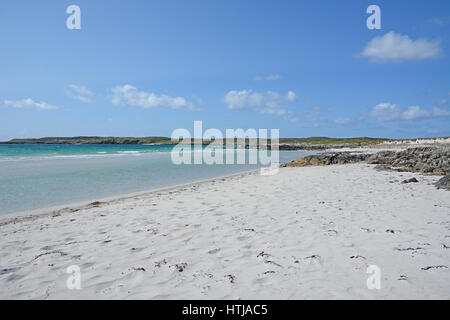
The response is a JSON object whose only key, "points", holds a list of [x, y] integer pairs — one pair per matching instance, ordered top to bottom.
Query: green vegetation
{"points": [[93, 140], [166, 140]]}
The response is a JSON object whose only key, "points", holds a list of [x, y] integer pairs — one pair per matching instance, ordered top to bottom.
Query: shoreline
{"points": [[77, 179], [28, 214], [33, 214], [305, 233]]}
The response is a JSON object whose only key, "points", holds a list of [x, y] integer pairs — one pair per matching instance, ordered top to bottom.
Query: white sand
{"points": [[287, 236]]}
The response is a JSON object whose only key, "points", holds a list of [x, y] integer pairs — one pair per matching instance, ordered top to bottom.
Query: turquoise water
{"points": [[39, 151], [39, 176]]}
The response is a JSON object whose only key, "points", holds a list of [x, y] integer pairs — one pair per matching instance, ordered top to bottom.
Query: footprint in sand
{"points": [[315, 259]]}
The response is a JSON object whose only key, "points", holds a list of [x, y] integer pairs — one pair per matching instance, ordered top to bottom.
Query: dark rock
{"points": [[326, 159], [428, 160], [410, 180], [444, 183]]}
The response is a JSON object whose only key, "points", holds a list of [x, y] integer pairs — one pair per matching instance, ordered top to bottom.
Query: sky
{"points": [[146, 68]]}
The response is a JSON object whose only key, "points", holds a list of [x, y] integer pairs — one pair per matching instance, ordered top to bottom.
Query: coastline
{"points": [[225, 159], [72, 177], [79, 204], [25, 215], [307, 232]]}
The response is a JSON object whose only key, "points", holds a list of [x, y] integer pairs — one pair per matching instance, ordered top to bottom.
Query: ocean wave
{"points": [[98, 155]]}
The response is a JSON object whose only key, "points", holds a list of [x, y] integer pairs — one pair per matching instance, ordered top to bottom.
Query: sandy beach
{"points": [[305, 233]]}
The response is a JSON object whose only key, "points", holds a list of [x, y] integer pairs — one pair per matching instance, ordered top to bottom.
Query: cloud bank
{"points": [[393, 47], [131, 96], [29, 104], [391, 112]]}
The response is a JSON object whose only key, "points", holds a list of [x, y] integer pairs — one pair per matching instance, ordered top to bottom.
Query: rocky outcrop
{"points": [[326, 159], [427, 160], [412, 180], [444, 183]]}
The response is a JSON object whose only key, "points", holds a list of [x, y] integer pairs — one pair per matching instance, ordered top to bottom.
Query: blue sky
{"points": [[143, 68]]}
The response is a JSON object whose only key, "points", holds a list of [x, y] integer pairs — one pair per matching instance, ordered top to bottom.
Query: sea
{"points": [[35, 176]]}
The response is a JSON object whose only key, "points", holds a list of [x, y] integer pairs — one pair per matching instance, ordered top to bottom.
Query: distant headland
{"points": [[285, 143]]}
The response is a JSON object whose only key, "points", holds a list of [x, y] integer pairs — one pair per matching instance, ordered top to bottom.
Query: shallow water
{"points": [[39, 176]]}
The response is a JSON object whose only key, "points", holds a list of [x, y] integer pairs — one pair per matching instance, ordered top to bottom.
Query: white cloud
{"points": [[395, 47], [270, 77], [80, 93], [129, 95], [291, 96], [269, 102], [442, 102], [29, 104], [385, 112], [392, 112], [438, 112], [414, 113], [342, 121]]}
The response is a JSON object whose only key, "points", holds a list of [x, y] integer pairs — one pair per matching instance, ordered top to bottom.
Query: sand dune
{"points": [[304, 233]]}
